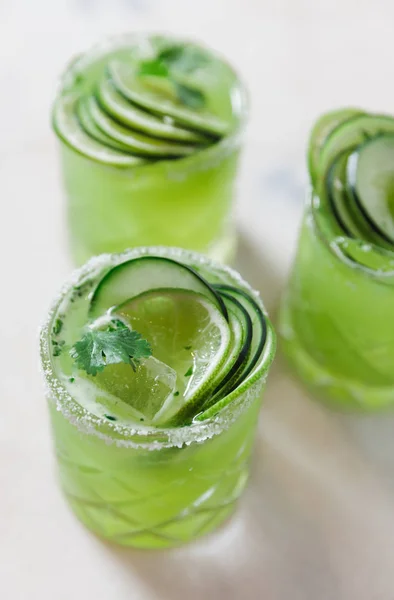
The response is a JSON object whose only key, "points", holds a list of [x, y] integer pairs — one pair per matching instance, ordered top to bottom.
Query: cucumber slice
{"points": [[132, 87], [121, 109], [90, 127], [68, 128], [321, 132], [350, 135], [136, 142], [371, 177], [336, 193], [340, 201], [376, 260], [147, 273], [258, 323], [258, 332], [241, 350], [243, 386]]}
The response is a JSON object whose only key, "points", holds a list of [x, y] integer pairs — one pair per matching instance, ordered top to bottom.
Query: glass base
{"points": [[335, 391], [118, 522]]}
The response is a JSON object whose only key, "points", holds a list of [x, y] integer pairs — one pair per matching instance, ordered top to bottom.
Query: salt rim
{"points": [[239, 99], [312, 200], [153, 438]]}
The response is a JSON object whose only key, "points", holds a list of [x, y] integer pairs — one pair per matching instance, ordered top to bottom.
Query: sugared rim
{"points": [[240, 99], [333, 246], [150, 438]]}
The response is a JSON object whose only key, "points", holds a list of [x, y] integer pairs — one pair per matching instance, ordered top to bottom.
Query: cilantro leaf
{"points": [[184, 59], [178, 60], [154, 67], [58, 326], [116, 344]]}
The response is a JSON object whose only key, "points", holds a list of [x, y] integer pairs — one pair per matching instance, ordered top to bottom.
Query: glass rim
{"points": [[225, 145], [335, 249], [151, 438]]}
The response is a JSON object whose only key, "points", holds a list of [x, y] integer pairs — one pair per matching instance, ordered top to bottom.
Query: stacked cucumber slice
{"points": [[127, 109], [351, 163], [211, 337]]}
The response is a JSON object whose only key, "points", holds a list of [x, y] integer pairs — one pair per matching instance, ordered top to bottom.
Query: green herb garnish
{"points": [[184, 59], [178, 60], [153, 67], [80, 290], [58, 326], [116, 344], [58, 347], [189, 372], [110, 418]]}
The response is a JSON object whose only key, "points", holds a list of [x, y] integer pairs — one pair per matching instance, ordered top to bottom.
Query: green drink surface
{"points": [[112, 77], [336, 312], [195, 340]]}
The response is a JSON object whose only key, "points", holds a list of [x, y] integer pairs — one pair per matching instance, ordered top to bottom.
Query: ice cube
{"points": [[147, 390]]}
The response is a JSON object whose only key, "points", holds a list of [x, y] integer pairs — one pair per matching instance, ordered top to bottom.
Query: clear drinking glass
{"points": [[183, 201], [336, 311], [334, 318], [149, 486]]}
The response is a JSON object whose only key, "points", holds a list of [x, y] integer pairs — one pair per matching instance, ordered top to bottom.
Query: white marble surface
{"points": [[317, 521]]}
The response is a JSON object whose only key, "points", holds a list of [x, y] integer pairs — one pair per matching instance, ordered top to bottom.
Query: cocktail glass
{"points": [[185, 202], [149, 486]]}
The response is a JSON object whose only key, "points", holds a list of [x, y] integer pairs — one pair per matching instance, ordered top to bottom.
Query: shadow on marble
{"points": [[285, 182], [373, 435], [310, 525], [304, 528], [274, 547], [246, 556]]}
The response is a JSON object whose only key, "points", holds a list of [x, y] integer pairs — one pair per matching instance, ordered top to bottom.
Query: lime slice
{"points": [[128, 83], [132, 116], [68, 128], [138, 143], [190, 335]]}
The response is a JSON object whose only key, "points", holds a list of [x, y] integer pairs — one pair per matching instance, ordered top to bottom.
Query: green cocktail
{"points": [[149, 130], [336, 313], [155, 361]]}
